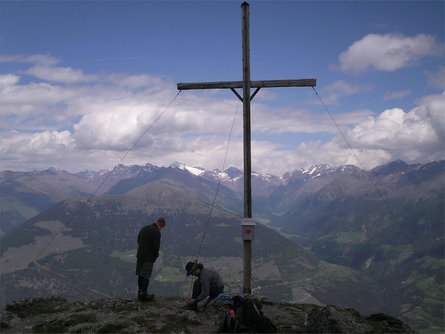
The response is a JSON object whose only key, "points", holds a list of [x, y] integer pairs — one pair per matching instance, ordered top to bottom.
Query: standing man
{"points": [[149, 242], [209, 283]]}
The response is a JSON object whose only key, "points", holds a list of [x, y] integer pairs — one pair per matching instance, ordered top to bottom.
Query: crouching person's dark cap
{"points": [[190, 267]]}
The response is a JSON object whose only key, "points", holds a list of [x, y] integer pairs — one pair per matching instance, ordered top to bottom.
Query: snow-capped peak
{"points": [[318, 169], [198, 171], [229, 175]]}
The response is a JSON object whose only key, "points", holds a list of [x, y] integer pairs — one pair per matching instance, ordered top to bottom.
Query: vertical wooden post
{"points": [[248, 224], [247, 258]]}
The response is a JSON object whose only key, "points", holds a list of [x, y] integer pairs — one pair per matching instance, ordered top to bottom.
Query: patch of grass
{"points": [[286, 235], [349, 237], [397, 253], [127, 256], [432, 263], [335, 272], [170, 274], [411, 279], [430, 286], [433, 301], [38, 306], [405, 308], [50, 309], [81, 318], [142, 321], [423, 321], [145, 322], [4, 325], [62, 325], [175, 325], [54, 326], [113, 327]]}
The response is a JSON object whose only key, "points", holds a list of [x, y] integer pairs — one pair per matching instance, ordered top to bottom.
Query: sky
{"points": [[86, 85]]}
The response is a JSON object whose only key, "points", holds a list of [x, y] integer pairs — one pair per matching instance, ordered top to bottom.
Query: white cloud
{"points": [[388, 52], [35, 59], [60, 74], [68, 75], [437, 79], [8, 80], [134, 81], [344, 88], [33, 93], [332, 93], [265, 94], [397, 95], [27, 105], [31, 105], [432, 108], [290, 120], [118, 122], [80, 126], [113, 126], [191, 135], [411, 136], [414, 136], [30, 145], [206, 151], [310, 153]]}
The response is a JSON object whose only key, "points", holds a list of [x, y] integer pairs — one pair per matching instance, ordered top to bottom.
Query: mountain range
{"points": [[372, 240]]}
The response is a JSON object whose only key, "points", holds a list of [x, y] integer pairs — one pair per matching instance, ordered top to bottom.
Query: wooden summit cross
{"points": [[248, 225]]}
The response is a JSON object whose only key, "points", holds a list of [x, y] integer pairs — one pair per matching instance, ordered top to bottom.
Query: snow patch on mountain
{"points": [[317, 170], [198, 171], [227, 177]]}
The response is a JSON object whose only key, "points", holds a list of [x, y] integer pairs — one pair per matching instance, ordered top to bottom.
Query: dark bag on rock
{"points": [[244, 317]]}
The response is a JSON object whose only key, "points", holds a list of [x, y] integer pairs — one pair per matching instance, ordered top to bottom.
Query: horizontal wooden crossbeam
{"points": [[253, 84]]}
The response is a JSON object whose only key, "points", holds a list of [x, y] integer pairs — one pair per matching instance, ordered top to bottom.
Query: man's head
{"points": [[160, 222], [193, 268]]}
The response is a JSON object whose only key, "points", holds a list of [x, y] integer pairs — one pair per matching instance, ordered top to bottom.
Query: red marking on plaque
{"points": [[248, 231]]}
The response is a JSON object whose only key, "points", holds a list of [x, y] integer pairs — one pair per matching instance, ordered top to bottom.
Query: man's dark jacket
{"points": [[149, 242]]}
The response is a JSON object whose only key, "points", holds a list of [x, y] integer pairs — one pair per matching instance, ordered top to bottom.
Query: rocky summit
{"points": [[168, 315]]}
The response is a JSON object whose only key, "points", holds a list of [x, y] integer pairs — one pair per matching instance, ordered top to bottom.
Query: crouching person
{"points": [[209, 283]]}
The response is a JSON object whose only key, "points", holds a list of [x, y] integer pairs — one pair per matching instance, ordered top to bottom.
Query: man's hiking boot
{"points": [[144, 297]]}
